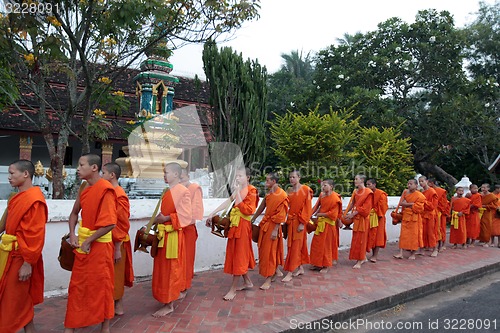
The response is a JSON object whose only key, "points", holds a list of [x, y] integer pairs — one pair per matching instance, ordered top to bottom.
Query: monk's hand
{"points": [[460, 213], [160, 218], [208, 222], [300, 228], [274, 234], [73, 240], [85, 247], [118, 254], [25, 271]]}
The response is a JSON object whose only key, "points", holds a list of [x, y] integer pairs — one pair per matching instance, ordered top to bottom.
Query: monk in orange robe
{"points": [[413, 202], [489, 204], [460, 207], [443, 211], [359, 212], [299, 214], [429, 217], [472, 219], [495, 224], [190, 232], [377, 236], [270, 242], [325, 244], [239, 251], [21, 263], [124, 270], [169, 274], [90, 292]]}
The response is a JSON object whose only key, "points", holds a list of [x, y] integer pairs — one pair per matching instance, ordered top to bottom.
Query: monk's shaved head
{"points": [[93, 159], [24, 165], [113, 167]]}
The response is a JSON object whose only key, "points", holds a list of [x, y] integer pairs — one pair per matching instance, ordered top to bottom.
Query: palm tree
{"points": [[296, 65]]}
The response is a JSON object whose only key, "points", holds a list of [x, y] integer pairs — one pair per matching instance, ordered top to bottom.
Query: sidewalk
{"points": [[338, 295]]}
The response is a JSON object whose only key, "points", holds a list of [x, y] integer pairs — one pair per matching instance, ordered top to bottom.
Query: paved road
{"points": [[472, 307]]}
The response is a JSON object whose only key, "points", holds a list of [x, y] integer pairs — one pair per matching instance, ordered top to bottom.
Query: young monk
{"points": [[413, 206], [460, 207], [488, 207], [443, 211], [359, 212], [299, 213], [429, 217], [472, 219], [495, 224], [190, 232], [377, 236], [270, 242], [324, 245], [239, 251], [21, 263], [168, 265], [124, 270], [90, 295]]}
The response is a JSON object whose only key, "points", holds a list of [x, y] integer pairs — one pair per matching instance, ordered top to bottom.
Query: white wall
{"points": [[210, 249]]}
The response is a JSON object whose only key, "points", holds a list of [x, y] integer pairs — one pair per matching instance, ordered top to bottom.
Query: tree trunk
{"points": [[438, 172]]}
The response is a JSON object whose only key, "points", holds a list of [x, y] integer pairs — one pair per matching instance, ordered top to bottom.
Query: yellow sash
{"points": [[481, 211], [235, 216], [373, 219], [454, 219], [322, 221], [84, 233], [127, 238], [172, 240], [7, 244]]}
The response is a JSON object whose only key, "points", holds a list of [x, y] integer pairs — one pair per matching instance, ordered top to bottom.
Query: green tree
{"points": [[90, 41], [238, 94]]}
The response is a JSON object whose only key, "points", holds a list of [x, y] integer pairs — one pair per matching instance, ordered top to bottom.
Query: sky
{"points": [[288, 25]]}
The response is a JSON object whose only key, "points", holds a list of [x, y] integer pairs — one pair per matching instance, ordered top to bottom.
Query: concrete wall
{"points": [[210, 248]]}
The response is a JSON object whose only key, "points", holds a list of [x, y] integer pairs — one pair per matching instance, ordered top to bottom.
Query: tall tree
{"points": [[91, 42], [238, 94]]}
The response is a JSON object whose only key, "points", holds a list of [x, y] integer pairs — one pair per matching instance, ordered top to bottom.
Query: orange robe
{"points": [[363, 202], [489, 203], [443, 210], [299, 213], [26, 218], [429, 218], [472, 219], [495, 223], [410, 225], [190, 232], [458, 233], [377, 236], [325, 245], [239, 250], [271, 251], [124, 270], [169, 275], [90, 292]]}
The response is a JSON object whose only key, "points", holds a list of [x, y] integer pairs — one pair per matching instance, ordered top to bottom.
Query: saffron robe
{"points": [[363, 202], [489, 203], [443, 210], [299, 212], [429, 218], [26, 219], [472, 219], [495, 223], [410, 224], [190, 232], [458, 234], [377, 236], [325, 245], [239, 250], [271, 251], [124, 270], [169, 275], [90, 292]]}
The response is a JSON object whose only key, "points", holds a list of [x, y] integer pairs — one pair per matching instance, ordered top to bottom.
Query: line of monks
{"points": [[103, 261]]}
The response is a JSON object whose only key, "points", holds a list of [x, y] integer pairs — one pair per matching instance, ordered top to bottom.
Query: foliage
{"points": [[238, 96]]}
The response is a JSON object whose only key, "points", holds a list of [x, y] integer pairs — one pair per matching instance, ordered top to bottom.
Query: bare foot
{"points": [[486, 245], [454, 246], [443, 249], [419, 253], [434, 253], [398, 256], [412, 257], [373, 259], [334, 262], [359, 263], [314, 268], [324, 270], [300, 271], [276, 275], [288, 277], [267, 284], [245, 286], [182, 294], [230, 295], [119, 307], [165, 310]]}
